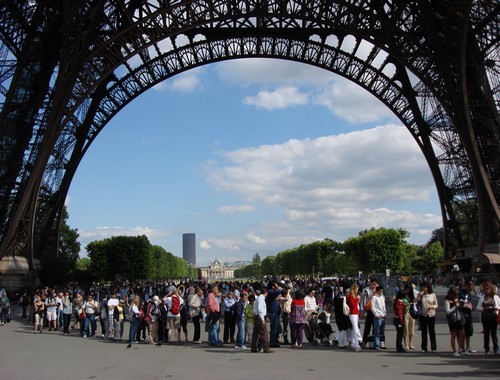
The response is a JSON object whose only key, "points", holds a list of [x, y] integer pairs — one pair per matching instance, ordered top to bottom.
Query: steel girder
{"points": [[433, 63]]}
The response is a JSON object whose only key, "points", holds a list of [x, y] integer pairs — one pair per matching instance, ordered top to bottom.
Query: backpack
{"points": [[5, 303], [176, 305], [155, 310]]}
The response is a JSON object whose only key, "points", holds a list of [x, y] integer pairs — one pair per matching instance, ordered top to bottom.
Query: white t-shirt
{"points": [[113, 302]]}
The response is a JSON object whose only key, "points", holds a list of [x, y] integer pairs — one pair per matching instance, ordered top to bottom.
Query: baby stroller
{"points": [[310, 326], [323, 329]]}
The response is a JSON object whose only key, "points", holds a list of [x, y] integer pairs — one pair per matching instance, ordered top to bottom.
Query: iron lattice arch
{"points": [[68, 67]]}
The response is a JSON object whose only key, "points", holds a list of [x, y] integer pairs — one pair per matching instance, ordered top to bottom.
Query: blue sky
{"points": [[252, 155]]}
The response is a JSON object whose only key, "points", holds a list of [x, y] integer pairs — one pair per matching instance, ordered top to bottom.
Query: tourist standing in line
{"points": [[195, 303], [353, 303], [489, 305], [212, 308], [379, 312], [428, 317], [298, 319], [259, 320], [455, 325]]}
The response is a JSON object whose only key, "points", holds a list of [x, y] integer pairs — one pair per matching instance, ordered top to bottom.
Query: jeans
{"points": [[4, 314], [286, 320], [60, 322], [89, 325], [134, 326], [273, 328], [378, 330], [213, 334], [240, 337]]}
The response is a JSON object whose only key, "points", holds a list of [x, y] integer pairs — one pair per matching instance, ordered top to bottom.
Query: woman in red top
{"points": [[353, 303]]}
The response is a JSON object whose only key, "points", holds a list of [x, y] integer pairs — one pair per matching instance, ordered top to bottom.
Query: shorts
{"points": [[51, 315], [38, 319], [173, 323], [458, 326]]}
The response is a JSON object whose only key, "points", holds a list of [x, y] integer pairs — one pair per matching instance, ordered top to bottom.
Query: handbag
{"points": [[368, 305], [345, 307], [415, 310], [82, 315], [455, 317], [498, 317]]}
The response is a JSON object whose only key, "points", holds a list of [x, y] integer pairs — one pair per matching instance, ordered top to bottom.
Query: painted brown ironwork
{"points": [[68, 67]]}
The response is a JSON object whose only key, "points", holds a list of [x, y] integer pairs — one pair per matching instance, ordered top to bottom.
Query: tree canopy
{"points": [[132, 258]]}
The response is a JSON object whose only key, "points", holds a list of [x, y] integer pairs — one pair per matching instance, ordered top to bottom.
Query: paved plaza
{"points": [[24, 355]]}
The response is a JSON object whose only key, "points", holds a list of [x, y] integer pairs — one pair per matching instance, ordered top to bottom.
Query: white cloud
{"points": [[247, 72], [186, 82], [300, 84], [280, 98], [352, 103], [334, 185], [227, 210], [99, 233], [253, 238], [204, 244], [224, 244]]}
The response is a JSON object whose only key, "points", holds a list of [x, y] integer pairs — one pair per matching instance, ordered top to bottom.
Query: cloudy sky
{"points": [[253, 155]]}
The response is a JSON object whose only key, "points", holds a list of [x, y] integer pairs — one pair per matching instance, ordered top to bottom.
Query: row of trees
{"points": [[372, 251], [132, 258]]}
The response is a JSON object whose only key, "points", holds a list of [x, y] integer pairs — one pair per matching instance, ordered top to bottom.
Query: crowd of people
{"points": [[264, 316]]}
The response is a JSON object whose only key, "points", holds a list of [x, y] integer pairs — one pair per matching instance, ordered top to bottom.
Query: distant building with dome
{"points": [[218, 271]]}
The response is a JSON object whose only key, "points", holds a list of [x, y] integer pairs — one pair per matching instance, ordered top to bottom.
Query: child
{"points": [[249, 318]]}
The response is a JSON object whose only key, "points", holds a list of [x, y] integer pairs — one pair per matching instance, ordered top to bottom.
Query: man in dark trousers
{"points": [[274, 291], [366, 300], [259, 322]]}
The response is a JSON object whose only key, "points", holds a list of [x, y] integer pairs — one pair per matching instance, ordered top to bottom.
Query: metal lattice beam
{"points": [[451, 47]]}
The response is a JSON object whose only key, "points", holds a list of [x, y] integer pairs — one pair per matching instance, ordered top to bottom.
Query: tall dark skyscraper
{"points": [[189, 248]]}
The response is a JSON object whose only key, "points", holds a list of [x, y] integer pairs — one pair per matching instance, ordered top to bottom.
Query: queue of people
{"points": [[265, 317]]}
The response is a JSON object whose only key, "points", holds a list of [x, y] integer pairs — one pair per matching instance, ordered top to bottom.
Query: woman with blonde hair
{"points": [[353, 303], [489, 305], [134, 320]]}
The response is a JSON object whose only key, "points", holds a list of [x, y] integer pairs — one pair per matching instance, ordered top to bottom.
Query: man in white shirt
{"points": [[112, 303], [259, 322]]}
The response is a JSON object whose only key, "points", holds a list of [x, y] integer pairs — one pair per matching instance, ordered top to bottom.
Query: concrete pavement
{"points": [[52, 356]]}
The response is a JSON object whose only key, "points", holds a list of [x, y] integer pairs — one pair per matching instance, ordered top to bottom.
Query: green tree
{"points": [[376, 250], [97, 252], [434, 254], [256, 258], [410, 258], [83, 264], [57, 265], [268, 266]]}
